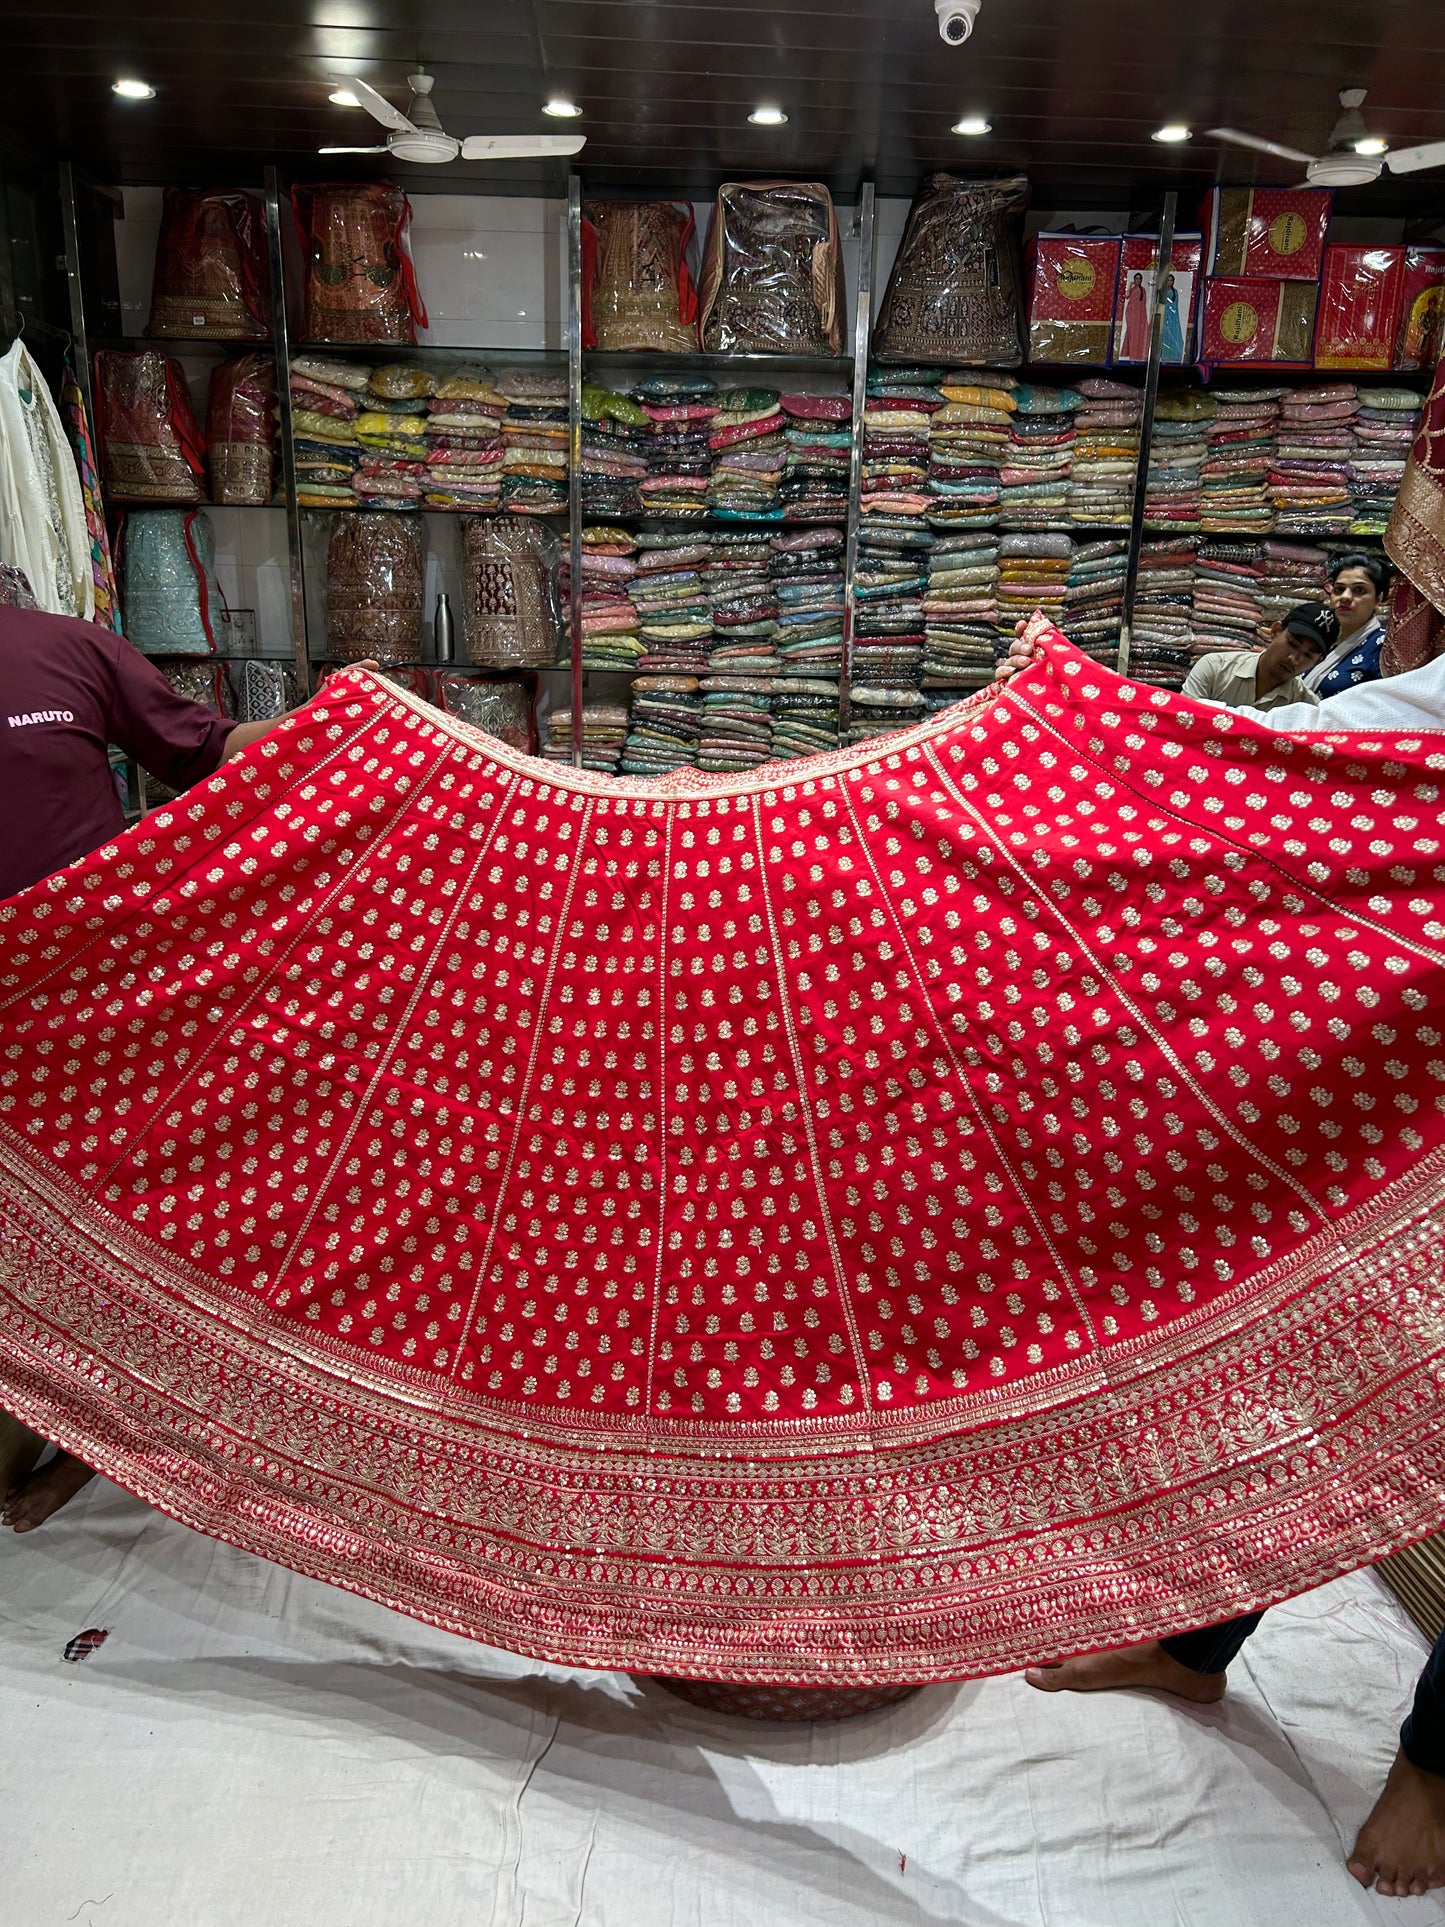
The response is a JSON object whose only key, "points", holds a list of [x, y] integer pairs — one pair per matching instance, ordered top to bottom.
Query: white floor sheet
{"points": [[250, 1749]]}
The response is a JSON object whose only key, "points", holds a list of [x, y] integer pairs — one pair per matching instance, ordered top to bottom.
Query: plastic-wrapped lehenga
{"points": [[966, 1198]]}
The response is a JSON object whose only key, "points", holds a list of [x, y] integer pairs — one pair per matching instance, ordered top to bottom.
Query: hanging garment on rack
{"points": [[213, 273], [772, 276], [360, 281], [956, 291], [150, 446], [42, 513], [1415, 543], [172, 601], [106, 602], [933, 1207]]}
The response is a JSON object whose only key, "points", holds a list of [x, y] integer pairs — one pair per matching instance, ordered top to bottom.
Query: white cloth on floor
{"points": [[252, 1747]]}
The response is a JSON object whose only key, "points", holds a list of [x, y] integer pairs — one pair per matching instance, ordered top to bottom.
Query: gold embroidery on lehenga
{"points": [[616, 1133]]}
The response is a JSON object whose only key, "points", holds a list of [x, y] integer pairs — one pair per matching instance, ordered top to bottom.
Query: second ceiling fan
{"points": [[419, 136], [1352, 157]]}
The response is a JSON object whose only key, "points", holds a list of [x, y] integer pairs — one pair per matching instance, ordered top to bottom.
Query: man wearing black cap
{"points": [[1241, 679]]}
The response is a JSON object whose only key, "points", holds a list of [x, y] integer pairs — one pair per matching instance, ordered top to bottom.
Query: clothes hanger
{"points": [[16, 322]]}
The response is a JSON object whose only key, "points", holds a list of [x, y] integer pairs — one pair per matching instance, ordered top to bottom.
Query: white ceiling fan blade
{"points": [[377, 105], [1260, 146], [520, 147], [353, 150], [1410, 160]]}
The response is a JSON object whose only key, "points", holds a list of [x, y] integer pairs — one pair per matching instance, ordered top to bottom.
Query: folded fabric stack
{"points": [[325, 400], [900, 406], [681, 409], [1383, 431], [616, 435], [391, 437], [818, 437], [1243, 437], [534, 442], [464, 443], [969, 444], [1177, 449], [1106, 453], [749, 455], [1038, 462], [1309, 481], [1293, 572], [808, 573], [1033, 573], [889, 584], [1226, 596], [1094, 597], [672, 602], [675, 615], [960, 616], [1162, 636], [611, 638], [743, 658], [805, 716], [604, 726], [662, 726]]}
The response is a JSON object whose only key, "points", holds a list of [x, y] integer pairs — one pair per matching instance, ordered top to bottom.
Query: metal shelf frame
{"points": [[847, 372]]}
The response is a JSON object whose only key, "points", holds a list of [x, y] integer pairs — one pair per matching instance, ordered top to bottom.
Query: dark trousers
{"points": [[1422, 1737]]}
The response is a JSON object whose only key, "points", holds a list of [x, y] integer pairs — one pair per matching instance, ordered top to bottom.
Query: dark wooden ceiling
{"points": [[1073, 87]]}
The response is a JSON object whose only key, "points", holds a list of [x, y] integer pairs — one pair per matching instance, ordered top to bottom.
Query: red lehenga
{"points": [[1415, 542], [960, 1200]]}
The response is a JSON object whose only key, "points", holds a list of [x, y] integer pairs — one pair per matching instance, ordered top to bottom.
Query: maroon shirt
{"points": [[68, 689]]}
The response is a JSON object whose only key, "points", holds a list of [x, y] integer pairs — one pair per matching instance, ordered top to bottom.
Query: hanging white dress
{"points": [[42, 513]]}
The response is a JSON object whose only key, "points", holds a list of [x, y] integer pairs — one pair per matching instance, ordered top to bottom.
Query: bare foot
{"points": [[31, 1503], [1132, 1666], [1401, 1848]]}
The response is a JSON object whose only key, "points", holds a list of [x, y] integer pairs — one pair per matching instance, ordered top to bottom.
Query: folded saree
{"points": [[971, 1197]]}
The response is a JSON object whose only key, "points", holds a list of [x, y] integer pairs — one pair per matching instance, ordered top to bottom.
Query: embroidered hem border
{"points": [[1279, 1422], [1234, 1475]]}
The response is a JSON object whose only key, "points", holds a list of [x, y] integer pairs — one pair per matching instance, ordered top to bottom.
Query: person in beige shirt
{"points": [[1270, 677]]}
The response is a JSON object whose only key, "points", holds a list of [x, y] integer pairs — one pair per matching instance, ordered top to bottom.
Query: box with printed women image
{"points": [[1134, 297], [1071, 298]]}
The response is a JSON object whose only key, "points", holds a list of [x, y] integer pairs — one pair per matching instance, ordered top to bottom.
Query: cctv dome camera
{"points": [[956, 19]]}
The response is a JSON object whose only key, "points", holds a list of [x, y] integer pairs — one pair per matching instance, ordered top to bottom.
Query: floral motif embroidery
{"points": [[893, 1216]]}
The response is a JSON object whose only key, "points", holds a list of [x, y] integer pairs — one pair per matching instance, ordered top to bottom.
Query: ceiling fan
{"points": [[420, 136], [1353, 156]]}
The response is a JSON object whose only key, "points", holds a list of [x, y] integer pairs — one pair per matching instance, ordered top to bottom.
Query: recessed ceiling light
{"points": [[133, 89], [343, 97], [561, 109], [768, 117], [973, 124], [1171, 135], [1371, 144]]}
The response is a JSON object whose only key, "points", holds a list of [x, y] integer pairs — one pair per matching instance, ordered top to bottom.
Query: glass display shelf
{"points": [[231, 344], [455, 351], [643, 361], [122, 507], [420, 508], [714, 524], [216, 655], [430, 662]]}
